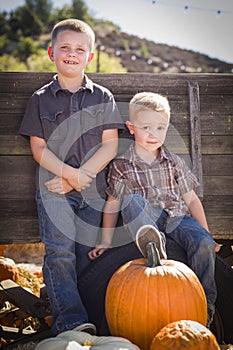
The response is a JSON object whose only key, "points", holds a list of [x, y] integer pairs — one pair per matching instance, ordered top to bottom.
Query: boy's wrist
{"points": [[69, 172], [105, 244]]}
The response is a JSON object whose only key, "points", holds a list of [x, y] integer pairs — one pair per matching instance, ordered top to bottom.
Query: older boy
{"points": [[73, 128], [154, 189]]}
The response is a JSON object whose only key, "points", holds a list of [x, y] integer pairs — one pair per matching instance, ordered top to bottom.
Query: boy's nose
{"points": [[72, 53], [153, 134]]}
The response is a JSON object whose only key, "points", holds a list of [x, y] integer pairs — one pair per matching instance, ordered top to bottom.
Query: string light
{"points": [[187, 8]]}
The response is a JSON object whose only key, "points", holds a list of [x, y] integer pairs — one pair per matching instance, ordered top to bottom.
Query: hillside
{"points": [[141, 55]]}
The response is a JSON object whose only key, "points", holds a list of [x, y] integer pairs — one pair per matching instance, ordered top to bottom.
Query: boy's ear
{"points": [[50, 53], [90, 58], [130, 127]]}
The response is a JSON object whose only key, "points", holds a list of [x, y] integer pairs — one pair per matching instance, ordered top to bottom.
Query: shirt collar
{"points": [[86, 85], [132, 156]]}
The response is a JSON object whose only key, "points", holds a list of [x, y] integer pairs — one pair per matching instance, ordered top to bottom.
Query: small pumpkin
{"points": [[143, 296], [184, 334], [73, 340]]}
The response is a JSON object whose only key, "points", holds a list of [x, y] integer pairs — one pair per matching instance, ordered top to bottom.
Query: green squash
{"points": [[73, 340]]}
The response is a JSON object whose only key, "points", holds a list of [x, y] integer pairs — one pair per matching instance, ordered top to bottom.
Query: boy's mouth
{"points": [[70, 62]]}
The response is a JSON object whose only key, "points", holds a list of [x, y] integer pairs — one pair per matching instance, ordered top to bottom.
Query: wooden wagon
{"points": [[201, 132]]}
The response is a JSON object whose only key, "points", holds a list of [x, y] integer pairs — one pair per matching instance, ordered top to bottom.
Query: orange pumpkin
{"points": [[143, 296], [184, 334]]}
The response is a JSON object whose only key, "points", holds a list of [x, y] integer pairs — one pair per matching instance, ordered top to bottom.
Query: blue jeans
{"points": [[68, 228], [187, 232]]}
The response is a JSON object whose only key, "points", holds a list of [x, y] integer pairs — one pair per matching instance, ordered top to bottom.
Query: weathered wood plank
{"points": [[122, 83], [195, 127], [14, 144], [217, 144], [217, 165], [218, 185], [13, 187], [218, 205], [16, 207], [19, 230]]}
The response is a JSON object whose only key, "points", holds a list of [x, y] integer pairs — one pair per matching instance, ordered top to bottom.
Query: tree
{"points": [[40, 8], [80, 11], [25, 22], [4, 23], [26, 47], [40, 62], [8, 63], [107, 64]]}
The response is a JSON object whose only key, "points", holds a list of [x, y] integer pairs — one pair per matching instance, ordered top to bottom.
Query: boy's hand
{"points": [[81, 179], [58, 185], [217, 247], [99, 250]]}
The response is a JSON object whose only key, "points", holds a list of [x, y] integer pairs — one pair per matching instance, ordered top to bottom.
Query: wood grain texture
{"points": [[18, 217]]}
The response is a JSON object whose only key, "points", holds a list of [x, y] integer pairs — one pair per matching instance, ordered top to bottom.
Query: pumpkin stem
{"points": [[152, 255]]}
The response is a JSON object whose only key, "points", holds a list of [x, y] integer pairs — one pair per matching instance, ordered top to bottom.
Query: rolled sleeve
{"points": [[186, 180]]}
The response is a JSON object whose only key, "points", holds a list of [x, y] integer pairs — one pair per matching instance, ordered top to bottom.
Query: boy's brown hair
{"points": [[75, 25], [148, 101]]}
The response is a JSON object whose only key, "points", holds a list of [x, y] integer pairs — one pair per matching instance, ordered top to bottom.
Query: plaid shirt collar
{"points": [[132, 156]]}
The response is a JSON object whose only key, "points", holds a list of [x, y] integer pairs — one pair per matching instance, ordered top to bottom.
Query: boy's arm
{"points": [[104, 154], [92, 166], [79, 179], [195, 207], [197, 211], [110, 216]]}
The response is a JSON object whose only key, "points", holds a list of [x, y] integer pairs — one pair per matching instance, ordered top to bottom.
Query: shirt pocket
{"points": [[92, 120], [54, 126]]}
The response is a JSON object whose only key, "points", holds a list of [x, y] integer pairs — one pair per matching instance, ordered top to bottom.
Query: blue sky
{"points": [[205, 26]]}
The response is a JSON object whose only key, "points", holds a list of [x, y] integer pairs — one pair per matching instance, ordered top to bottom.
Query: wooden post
{"points": [[195, 125]]}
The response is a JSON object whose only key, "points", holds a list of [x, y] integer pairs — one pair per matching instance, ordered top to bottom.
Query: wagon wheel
{"points": [[94, 280]]}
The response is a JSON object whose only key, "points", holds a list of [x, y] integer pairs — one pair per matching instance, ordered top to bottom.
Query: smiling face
{"points": [[71, 53], [149, 129]]}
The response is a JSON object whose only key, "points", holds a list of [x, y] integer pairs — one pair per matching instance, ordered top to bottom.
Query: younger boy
{"points": [[73, 128], [154, 189]]}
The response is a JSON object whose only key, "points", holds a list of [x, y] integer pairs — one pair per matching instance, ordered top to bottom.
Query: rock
{"points": [[8, 269]]}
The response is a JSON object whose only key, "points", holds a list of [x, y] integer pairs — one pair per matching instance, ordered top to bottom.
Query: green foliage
{"points": [[42, 8], [80, 11], [59, 14], [4, 23], [25, 23], [3, 42], [21, 43], [126, 45], [26, 47], [144, 50], [40, 62], [9, 63], [107, 64]]}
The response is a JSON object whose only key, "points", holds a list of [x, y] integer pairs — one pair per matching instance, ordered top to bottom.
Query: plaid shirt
{"points": [[163, 182]]}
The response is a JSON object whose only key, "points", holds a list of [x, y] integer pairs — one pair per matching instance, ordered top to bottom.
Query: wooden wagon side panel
{"points": [[18, 218]]}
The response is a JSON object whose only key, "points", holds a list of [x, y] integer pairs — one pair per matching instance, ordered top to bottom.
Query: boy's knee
{"points": [[132, 201], [207, 245]]}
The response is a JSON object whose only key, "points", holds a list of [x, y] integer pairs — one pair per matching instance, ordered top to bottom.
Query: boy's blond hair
{"points": [[77, 26], [148, 101]]}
